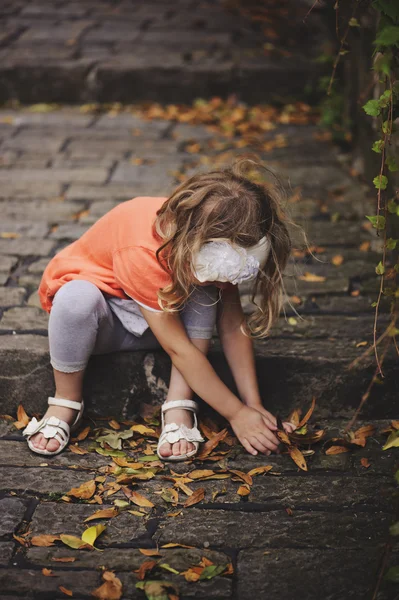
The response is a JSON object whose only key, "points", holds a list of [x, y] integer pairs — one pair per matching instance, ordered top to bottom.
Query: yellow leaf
{"points": [[9, 235], [337, 260], [312, 277], [306, 418], [114, 424], [143, 430], [82, 435], [392, 441], [77, 450], [336, 450], [198, 473], [244, 476], [243, 490], [84, 491], [195, 497], [106, 513], [137, 513], [90, 535], [72, 541], [176, 545], [63, 559], [48, 573]]}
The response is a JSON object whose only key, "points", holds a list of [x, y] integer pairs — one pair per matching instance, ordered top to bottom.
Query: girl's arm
{"points": [[239, 352], [253, 429]]}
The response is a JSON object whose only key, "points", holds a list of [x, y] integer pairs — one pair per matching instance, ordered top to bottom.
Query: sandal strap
{"points": [[64, 402], [189, 404], [50, 427], [173, 433]]}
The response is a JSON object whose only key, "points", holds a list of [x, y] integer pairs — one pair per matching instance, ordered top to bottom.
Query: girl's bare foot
{"points": [[66, 414], [179, 416]]}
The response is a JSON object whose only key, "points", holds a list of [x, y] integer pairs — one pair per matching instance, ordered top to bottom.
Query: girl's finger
{"points": [[271, 418], [290, 426], [269, 434], [272, 441], [260, 444], [248, 446]]}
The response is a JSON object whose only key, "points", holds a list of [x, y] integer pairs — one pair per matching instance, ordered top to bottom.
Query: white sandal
{"points": [[53, 427], [173, 433]]}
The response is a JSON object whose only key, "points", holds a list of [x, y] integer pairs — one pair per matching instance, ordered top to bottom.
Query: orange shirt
{"points": [[117, 254]]}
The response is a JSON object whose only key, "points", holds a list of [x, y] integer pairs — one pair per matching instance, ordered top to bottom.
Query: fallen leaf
{"points": [[9, 235], [365, 246], [337, 260], [307, 276], [22, 418], [306, 418], [114, 424], [143, 430], [82, 435], [114, 438], [392, 441], [212, 443], [77, 450], [336, 450], [298, 457], [365, 462], [260, 470], [198, 473], [244, 476], [243, 490], [84, 491], [195, 497], [140, 500], [106, 513], [90, 534], [44, 541], [74, 542], [176, 545], [149, 552], [63, 559], [145, 566], [48, 573], [111, 589], [65, 590], [157, 590]]}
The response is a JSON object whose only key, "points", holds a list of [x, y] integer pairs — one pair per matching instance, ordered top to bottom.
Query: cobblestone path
{"points": [[129, 50], [320, 534]]}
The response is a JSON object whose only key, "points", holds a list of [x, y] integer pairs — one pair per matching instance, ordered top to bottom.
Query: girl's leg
{"points": [[199, 317], [80, 319]]}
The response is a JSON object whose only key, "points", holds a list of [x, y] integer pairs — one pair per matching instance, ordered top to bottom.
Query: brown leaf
{"points": [[337, 260], [312, 277], [295, 417], [22, 418], [306, 418], [114, 424], [365, 431], [82, 435], [283, 437], [308, 438], [212, 443], [77, 449], [332, 450], [298, 457], [365, 462], [260, 470], [199, 473], [244, 476], [243, 490], [84, 491], [195, 497], [140, 500], [106, 513], [44, 541], [176, 545], [149, 552], [63, 559], [145, 566], [48, 573], [111, 589], [65, 590]]}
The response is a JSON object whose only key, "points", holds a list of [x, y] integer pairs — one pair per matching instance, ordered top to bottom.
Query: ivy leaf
{"points": [[353, 22], [388, 36], [382, 63], [385, 98], [372, 108], [386, 127], [378, 146], [391, 163], [380, 182], [392, 206], [377, 221], [391, 243], [380, 269], [392, 441], [211, 571]]}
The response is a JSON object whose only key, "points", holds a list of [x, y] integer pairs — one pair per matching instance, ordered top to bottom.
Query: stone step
{"points": [[291, 370]]}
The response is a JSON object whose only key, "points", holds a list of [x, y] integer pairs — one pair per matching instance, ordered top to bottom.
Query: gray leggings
{"points": [[82, 323]]}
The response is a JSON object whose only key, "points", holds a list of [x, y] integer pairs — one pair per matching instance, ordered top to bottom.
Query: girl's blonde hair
{"points": [[225, 204]]}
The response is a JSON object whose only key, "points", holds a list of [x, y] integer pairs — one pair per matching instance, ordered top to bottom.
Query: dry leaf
{"points": [[9, 235], [365, 246], [337, 260], [312, 277], [308, 414], [22, 418], [114, 424], [143, 430], [82, 435], [211, 444], [76, 449], [336, 450], [298, 457], [365, 462], [260, 470], [198, 473], [244, 476], [243, 490], [84, 491], [195, 497], [140, 500], [106, 513], [90, 534], [44, 541], [74, 542], [176, 545], [149, 552], [63, 559], [145, 566], [48, 573], [111, 589], [65, 590]]}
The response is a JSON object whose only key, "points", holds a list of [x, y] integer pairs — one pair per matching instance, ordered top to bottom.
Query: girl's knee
{"points": [[79, 299]]}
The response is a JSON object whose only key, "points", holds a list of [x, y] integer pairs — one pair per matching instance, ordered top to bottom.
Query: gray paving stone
{"points": [[62, 117], [150, 129], [31, 141], [159, 173], [88, 175], [29, 190], [24, 229], [69, 232], [26, 247], [7, 263], [38, 266], [11, 296], [24, 319], [18, 454], [42, 480], [12, 512], [56, 518], [221, 528], [6, 550], [279, 573], [23, 581]]}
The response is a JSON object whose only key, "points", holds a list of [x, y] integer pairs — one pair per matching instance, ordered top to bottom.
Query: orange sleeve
{"points": [[139, 274]]}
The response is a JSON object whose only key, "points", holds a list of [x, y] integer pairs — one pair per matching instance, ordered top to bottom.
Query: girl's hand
{"points": [[288, 427], [254, 430]]}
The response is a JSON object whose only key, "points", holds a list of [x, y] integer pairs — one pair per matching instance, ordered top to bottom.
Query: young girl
{"points": [[163, 271]]}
